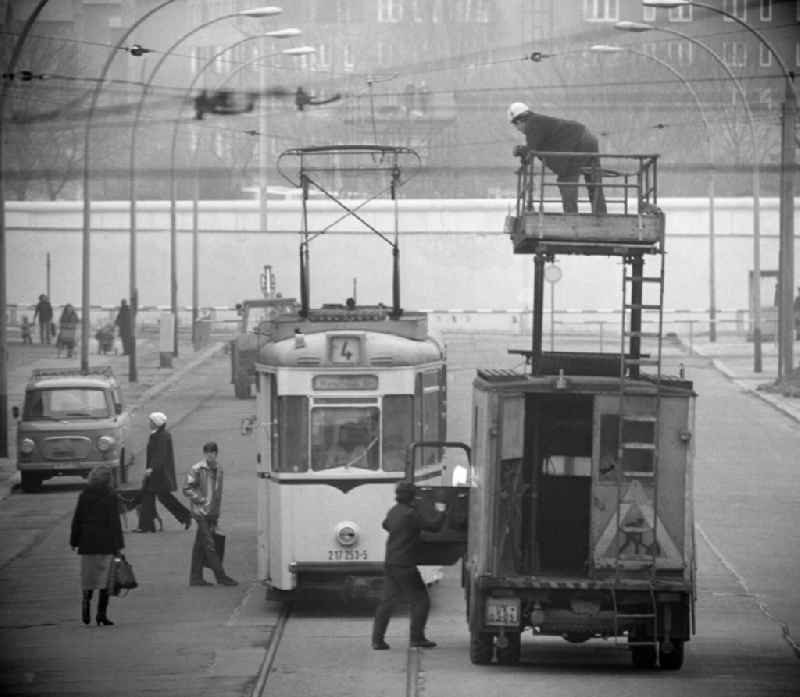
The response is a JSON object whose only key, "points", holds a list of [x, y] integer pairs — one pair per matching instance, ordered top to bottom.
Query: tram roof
{"points": [[410, 325], [375, 349]]}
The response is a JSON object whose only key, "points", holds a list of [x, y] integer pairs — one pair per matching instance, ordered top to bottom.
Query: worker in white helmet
{"points": [[550, 134]]}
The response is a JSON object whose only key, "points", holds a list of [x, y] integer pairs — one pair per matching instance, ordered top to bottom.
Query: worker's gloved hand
{"points": [[520, 151]]}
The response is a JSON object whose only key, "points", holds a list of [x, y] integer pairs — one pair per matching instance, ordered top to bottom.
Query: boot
{"points": [[86, 608], [102, 608]]}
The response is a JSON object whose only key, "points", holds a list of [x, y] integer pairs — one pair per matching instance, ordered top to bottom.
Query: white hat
{"points": [[516, 110], [158, 418]]}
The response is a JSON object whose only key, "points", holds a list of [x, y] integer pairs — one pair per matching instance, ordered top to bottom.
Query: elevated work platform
{"points": [[630, 222]]}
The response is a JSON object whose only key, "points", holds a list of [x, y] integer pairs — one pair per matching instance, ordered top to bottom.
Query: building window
{"points": [[737, 8], [390, 10], [601, 10], [416, 11], [765, 13], [648, 14], [680, 14], [680, 52], [734, 53], [764, 56], [347, 58]]}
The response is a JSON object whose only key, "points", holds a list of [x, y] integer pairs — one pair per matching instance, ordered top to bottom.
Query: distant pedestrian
{"points": [[554, 135], [44, 313], [123, 321], [67, 329], [26, 330], [159, 478], [204, 489], [96, 534], [401, 576]]}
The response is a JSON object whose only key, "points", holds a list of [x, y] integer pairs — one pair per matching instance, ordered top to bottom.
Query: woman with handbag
{"points": [[96, 534]]}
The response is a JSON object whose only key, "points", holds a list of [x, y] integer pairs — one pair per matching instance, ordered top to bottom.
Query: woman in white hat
{"points": [[159, 478]]}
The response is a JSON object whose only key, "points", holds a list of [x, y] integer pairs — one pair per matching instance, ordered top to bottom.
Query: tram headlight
{"points": [[26, 446], [346, 533]]}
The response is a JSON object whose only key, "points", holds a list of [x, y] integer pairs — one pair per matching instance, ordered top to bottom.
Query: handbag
{"points": [[122, 576]]}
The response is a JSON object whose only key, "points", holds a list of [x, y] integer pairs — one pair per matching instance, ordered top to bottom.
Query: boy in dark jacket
{"points": [[550, 134], [401, 576]]}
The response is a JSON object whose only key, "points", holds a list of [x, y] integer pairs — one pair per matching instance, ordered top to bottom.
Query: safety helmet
{"points": [[516, 110]]}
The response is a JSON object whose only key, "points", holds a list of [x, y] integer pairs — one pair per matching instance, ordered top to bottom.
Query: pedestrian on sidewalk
{"points": [[44, 313], [123, 321], [67, 328], [26, 330], [159, 478], [204, 490], [96, 534], [401, 576]]}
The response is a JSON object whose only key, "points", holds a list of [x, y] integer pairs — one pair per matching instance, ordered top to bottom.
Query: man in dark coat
{"points": [[550, 134], [44, 313], [123, 321], [159, 480], [401, 576]]}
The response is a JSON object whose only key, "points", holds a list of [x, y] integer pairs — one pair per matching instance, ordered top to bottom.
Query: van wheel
{"points": [[30, 482], [481, 647], [509, 654]]}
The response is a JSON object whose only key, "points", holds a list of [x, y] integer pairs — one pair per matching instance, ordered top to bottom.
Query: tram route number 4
{"points": [[347, 555]]}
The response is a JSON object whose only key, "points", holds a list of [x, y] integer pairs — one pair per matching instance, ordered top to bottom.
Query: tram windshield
{"points": [[345, 437]]}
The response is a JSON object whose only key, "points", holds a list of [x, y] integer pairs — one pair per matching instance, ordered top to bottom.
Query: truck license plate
{"points": [[502, 611]]}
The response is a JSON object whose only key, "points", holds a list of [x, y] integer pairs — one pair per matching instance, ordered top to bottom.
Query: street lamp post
{"points": [[257, 12], [300, 50], [12, 66], [86, 183], [786, 254], [757, 354]]}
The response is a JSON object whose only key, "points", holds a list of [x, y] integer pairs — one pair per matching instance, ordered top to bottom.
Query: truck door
{"points": [[447, 545]]}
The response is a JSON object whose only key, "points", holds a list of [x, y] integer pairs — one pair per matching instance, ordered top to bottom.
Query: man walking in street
{"points": [[550, 134], [44, 313], [204, 490], [401, 576]]}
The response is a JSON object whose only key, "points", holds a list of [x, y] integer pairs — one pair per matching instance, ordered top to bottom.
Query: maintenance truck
{"points": [[581, 521]]}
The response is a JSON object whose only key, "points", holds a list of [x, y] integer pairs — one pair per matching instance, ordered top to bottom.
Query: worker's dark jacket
{"points": [[547, 133], [404, 524]]}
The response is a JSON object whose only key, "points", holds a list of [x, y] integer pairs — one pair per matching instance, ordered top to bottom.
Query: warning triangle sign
{"points": [[633, 537]]}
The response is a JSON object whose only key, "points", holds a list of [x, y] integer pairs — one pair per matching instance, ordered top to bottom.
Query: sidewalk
{"points": [[734, 358], [152, 380]]}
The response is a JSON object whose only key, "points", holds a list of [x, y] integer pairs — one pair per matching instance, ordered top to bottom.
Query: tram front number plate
{"points": [[347, 555], [502, 611]]}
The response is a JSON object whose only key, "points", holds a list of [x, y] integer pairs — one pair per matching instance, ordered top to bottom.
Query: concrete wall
{"points": [[453, 254]]}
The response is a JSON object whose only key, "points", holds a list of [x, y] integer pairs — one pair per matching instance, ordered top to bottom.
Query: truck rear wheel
{"points": [[30, 482], [481, 647], [508, 655], [643, 657], [672, 659]]}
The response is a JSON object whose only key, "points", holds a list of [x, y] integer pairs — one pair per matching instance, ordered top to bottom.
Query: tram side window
{"points": [[430, 418], [397, 431], [293, 444]]}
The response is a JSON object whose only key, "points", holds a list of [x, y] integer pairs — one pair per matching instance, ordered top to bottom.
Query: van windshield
{"points": [[67, 403]]}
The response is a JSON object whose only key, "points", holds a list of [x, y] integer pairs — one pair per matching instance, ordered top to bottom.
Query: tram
{"points": [[342, 390]]}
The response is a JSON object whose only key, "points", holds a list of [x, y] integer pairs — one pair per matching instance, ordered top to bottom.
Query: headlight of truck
{"points": [[105, 443], [26, 446]]}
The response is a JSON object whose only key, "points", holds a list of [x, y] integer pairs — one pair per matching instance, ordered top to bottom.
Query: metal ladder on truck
{"points": [[638, 441]]}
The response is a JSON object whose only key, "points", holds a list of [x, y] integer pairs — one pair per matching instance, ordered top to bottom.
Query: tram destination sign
{"points": [[330, 383]]}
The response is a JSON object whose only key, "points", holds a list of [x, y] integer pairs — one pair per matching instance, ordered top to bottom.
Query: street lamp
{"points": [[257, 12], [638, 27], [300, 50], [12, 64], [87, 201], [786, 253]]}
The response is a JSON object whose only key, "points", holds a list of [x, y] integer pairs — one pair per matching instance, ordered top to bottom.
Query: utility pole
{"points": [[786, 262]]}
